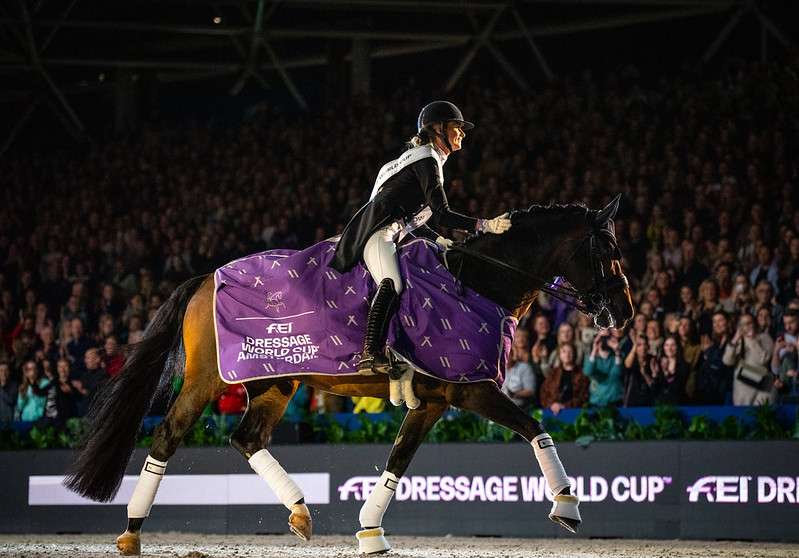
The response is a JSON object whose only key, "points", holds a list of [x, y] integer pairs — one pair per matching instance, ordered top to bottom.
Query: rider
{"points": [[407, 192]]}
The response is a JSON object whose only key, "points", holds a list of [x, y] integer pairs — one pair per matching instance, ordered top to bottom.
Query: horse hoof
{"points": [[565, 512], [300, 523], [372, 541], [129, 544]]}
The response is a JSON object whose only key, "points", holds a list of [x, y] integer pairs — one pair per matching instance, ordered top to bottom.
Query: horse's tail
{"points": [[118, 409]]}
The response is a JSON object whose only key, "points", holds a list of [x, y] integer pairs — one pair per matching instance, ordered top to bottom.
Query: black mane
{"points": [[552, 210], [554, 213]]}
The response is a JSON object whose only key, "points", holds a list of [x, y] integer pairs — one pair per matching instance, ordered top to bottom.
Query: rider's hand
{"points": [[497, 225], [445, 243]]}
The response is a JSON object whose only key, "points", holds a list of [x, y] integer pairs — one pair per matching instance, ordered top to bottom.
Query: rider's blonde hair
{"points": [[424, 137]]}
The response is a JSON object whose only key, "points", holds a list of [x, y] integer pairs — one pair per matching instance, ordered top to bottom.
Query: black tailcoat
{"points": [[403, 195]]}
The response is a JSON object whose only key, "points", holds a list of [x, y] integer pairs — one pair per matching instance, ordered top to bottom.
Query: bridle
{"points": [[596, 300]]}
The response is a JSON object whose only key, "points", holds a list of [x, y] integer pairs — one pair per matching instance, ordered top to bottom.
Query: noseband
{"points": [[596, 300]]}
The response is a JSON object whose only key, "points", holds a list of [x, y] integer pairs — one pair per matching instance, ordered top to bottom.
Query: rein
{"points": [[561, 292], [593, 302]]}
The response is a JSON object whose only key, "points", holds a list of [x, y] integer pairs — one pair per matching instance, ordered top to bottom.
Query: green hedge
{"points": [[590, 425]]}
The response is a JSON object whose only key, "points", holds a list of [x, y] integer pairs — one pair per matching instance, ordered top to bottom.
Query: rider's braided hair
{"points": [[424, 137]]}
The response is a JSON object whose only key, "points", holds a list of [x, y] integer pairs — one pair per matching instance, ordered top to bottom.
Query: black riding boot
{"points": [[373, 356]]}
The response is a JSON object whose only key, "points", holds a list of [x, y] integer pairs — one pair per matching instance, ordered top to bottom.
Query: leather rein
{"points": [[593, 302]]}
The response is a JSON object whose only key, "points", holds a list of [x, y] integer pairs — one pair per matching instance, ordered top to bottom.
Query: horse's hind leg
{"points": [[201, 385], [485, 399], [267, 403], [188, 406], [417, 424]]}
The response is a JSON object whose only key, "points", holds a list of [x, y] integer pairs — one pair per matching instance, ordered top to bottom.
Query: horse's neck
{"points": [[511, 290]]}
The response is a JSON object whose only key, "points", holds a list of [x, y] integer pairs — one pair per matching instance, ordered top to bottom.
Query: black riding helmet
{"points": [[441, 111]]}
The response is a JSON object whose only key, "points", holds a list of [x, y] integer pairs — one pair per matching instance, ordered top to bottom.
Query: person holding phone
{"points": [[603, 367]]}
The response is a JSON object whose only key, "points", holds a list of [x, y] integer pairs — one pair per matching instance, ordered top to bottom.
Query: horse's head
{"points": [[569, 241], [592, 266]]}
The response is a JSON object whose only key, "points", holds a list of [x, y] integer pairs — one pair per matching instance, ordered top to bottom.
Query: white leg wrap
{"points": [[550, 464], [276, 477], [143, 495], [376, 504]]}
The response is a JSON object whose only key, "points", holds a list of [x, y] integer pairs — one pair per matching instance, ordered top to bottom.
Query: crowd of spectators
{"points": [[92, 242]]}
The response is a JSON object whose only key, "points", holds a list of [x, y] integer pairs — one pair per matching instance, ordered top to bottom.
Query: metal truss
{"points": [[489, 24], [766, 27]]}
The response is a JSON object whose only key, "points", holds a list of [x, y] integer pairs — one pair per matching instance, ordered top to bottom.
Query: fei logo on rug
{"points": [[279, 328]]}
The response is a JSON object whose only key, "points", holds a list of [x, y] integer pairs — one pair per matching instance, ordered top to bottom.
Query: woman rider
{"points": [[407, 193]]}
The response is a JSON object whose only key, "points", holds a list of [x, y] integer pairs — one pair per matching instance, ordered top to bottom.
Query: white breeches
{"points": [[380, 255]]}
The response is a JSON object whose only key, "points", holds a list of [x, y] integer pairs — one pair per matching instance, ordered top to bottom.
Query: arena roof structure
{"points": [[51, 50]]}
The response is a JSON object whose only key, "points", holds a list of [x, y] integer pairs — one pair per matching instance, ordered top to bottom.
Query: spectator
{"points": [[765, 270], [691, 272], [723, 277], [743, 299], [764, 299], [688, 305], [708, 305], [105, 328], [135, 330], [586, 332], [565, 336], [654, 336], [543, 340], [78, 343], [47, 347], [691, 351], [749, 354], [112, 357], [785, 357], [603, 367], [669, 373], [638, 375], [90, 379], [520, 380], [713, 385], [566, 386], [31, 394], [8, 395], [62, 397]]}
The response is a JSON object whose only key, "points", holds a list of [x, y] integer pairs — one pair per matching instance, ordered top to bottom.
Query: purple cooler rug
{"points": [[285, 312]]}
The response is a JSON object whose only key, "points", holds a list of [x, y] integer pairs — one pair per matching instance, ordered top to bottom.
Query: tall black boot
{"points": [[373, 356]]}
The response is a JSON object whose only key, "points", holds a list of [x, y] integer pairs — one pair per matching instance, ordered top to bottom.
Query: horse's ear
{"points": [[609, 212]]}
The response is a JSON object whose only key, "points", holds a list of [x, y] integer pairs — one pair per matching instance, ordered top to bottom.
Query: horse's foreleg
{"points": [[487, 400], [267, 403], [417, 424]]}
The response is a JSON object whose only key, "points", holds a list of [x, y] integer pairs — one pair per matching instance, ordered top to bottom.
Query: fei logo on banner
{"points": [[741, 490]]}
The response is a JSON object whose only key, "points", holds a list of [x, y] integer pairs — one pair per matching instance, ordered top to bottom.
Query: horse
{"points": [[568, 241]]}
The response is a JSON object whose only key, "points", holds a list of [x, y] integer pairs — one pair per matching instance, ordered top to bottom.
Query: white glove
{"points": [[497, 225], [445, 243]]}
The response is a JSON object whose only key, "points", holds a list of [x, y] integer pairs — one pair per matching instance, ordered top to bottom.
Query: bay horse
{"points": [[569, 241]]}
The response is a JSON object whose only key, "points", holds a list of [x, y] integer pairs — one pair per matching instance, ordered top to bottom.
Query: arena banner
{"points": [[716, 490]]}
